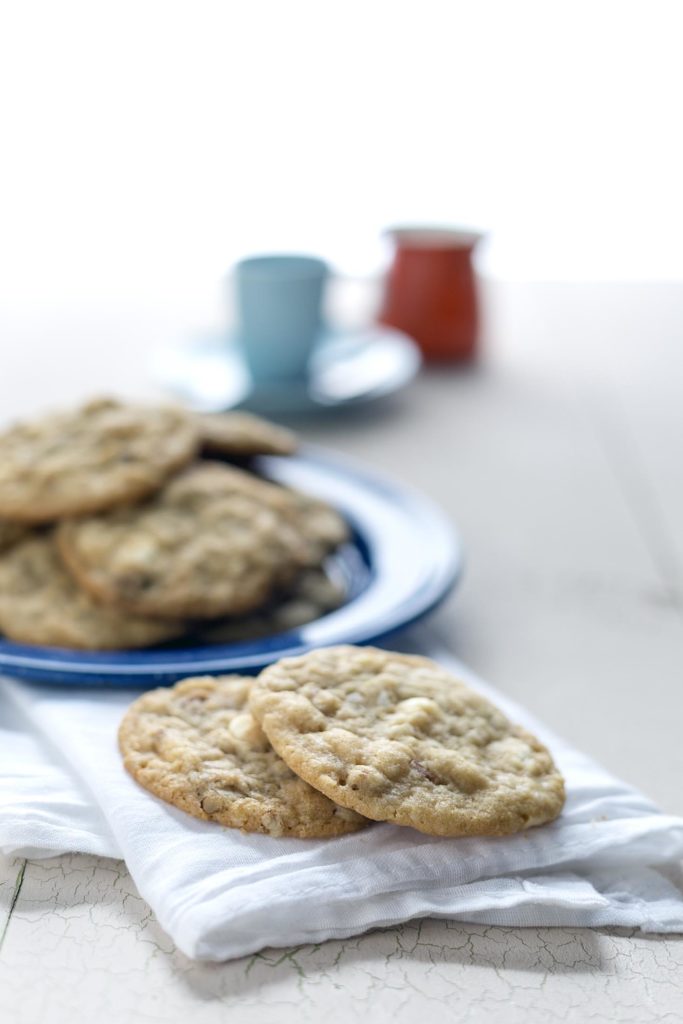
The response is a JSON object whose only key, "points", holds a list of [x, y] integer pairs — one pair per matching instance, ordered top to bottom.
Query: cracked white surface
{"points": [[560, 461], [80, 919]]}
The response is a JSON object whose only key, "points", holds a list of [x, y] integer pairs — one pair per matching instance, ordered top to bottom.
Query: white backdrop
{"points": [[147, 144]]}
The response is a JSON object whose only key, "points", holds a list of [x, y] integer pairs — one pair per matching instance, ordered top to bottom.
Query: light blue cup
{"points": [[279, 314]]}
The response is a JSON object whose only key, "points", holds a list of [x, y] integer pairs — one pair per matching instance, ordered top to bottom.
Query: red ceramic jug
{"points": [[431, 291]]}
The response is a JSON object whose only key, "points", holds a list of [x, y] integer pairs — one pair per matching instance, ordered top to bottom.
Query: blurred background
{"points": [[146, 146]]}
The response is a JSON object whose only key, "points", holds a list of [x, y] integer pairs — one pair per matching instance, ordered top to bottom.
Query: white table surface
{"points": [[560, 459]]}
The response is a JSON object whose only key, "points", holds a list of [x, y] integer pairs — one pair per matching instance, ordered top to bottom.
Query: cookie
{"points": [[242, 435], [100, 455], [321, 527], [11, 533], [206, 545], [319, 589], [312, 595], [41, 604], [396, 738], [196, 746]]}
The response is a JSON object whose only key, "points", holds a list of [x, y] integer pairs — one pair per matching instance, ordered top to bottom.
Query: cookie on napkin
{"points": [[396, 738], [196, 746]]}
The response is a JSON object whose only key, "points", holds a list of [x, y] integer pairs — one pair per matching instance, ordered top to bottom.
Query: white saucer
{"points": [[347, 368]]}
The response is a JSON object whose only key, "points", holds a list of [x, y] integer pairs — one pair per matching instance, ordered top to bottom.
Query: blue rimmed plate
{"points": [[403, 559]]}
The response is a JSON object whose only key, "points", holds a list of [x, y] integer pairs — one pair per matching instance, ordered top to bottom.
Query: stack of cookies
{"points": [[124, 526], [320, 745]]}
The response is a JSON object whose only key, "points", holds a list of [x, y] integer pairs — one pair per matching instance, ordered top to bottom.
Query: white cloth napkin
{"points": [[222, 894]]}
